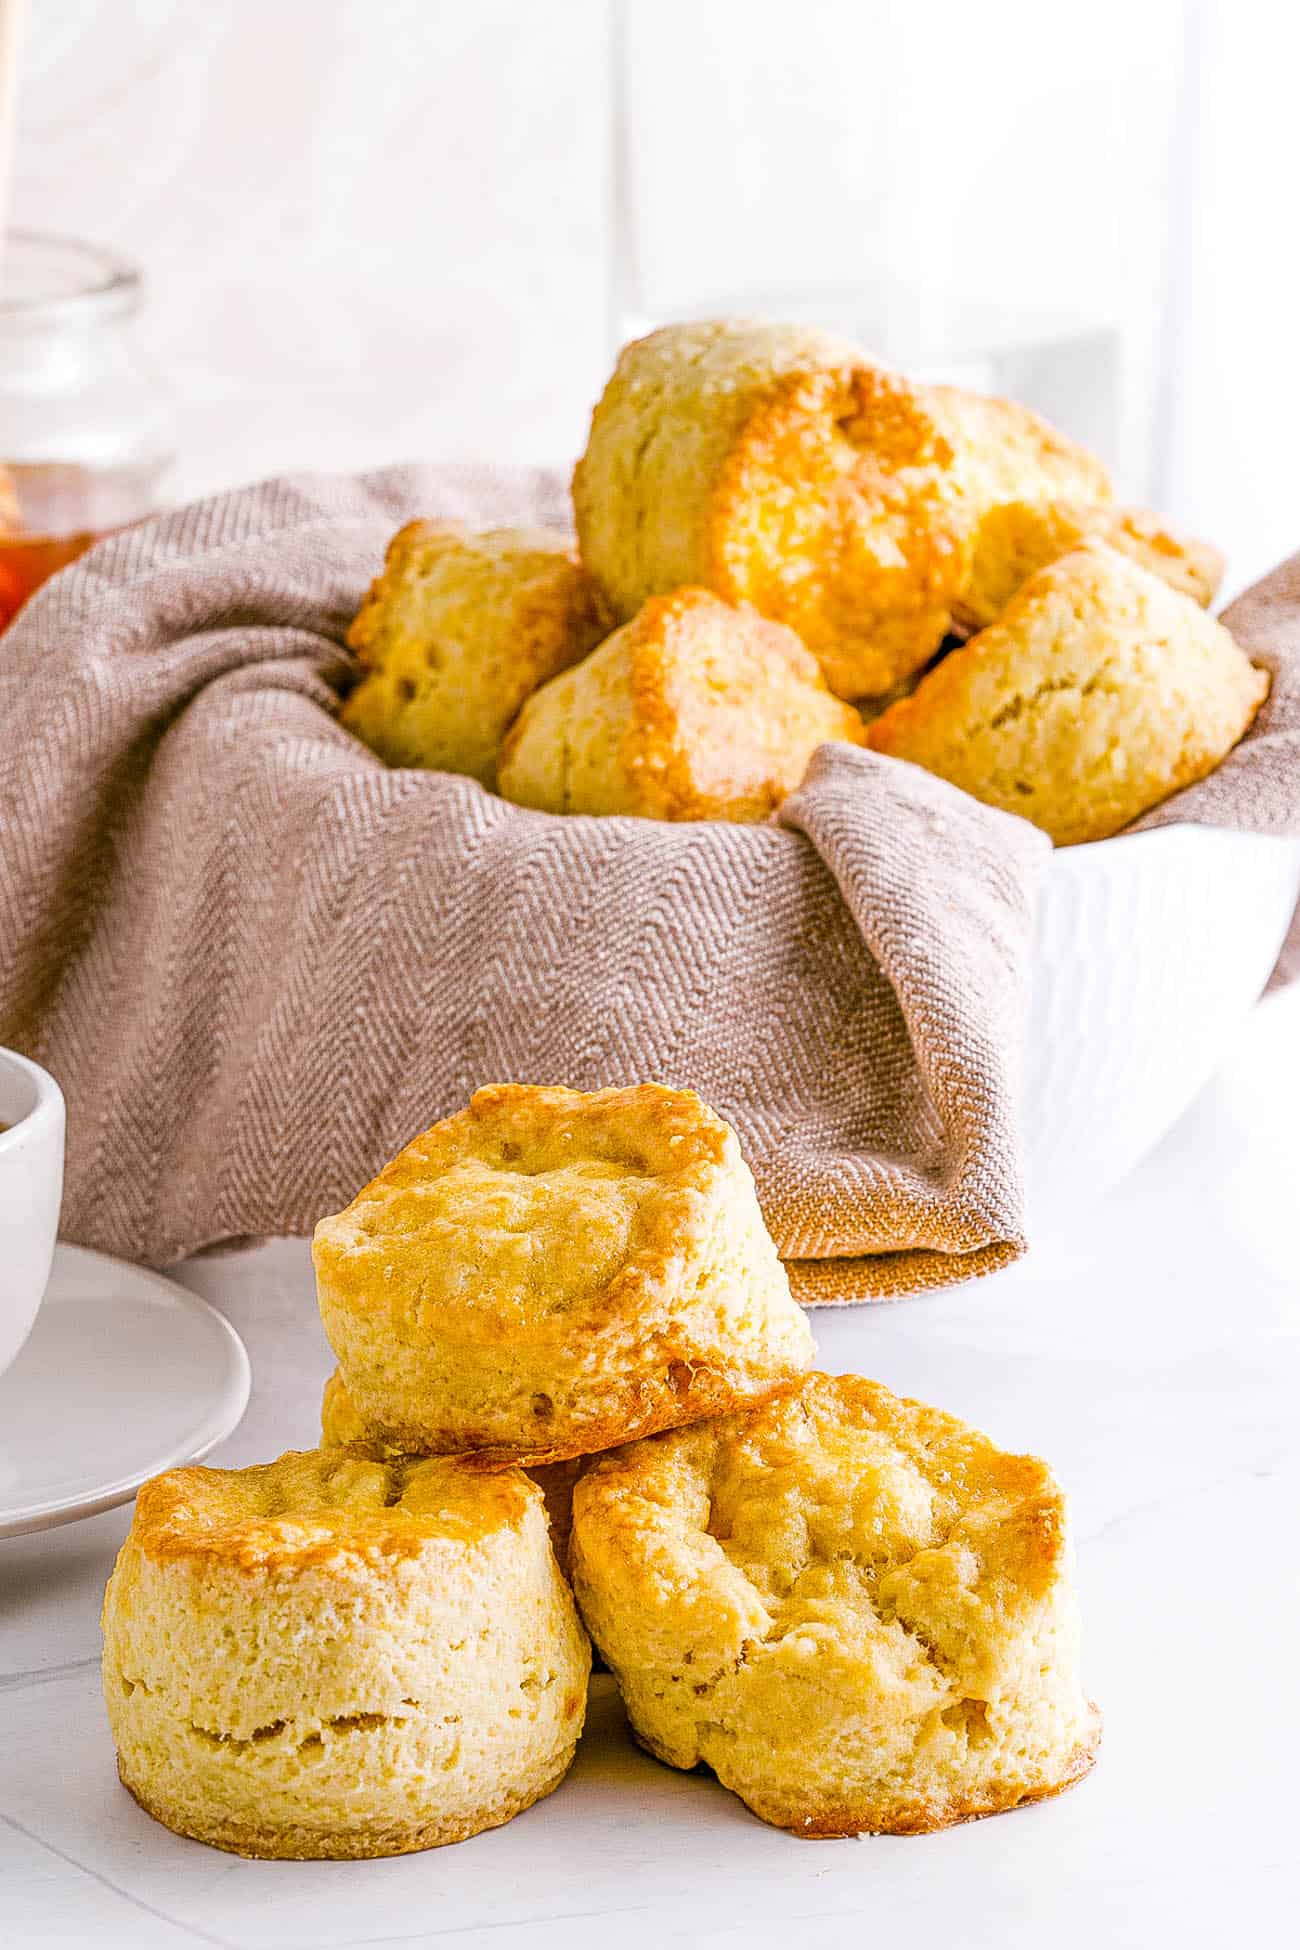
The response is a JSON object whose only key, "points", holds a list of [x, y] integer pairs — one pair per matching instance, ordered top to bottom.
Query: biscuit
{"points": [[1005, 452], [776, 465], [1033, 495], [1019, 538], [456, 632], [1097, 693], [693, 710], [548, 1273], [342, 1428], [853, 1608], [322, 1657]]}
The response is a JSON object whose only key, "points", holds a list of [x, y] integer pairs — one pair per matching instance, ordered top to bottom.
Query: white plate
{"points": [[125, 1373]]}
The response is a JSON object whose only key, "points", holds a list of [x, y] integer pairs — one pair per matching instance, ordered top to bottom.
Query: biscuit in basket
{"points": [[1005, 452], [776, 465], [1033, 495], [1021, 537], [456, 632], [1096, 694], [696, 709], [547, 1273], [342, 1428], [853, 1608], [324, 1657]]}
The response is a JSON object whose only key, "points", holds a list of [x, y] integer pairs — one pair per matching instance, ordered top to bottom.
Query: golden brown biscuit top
{"points": [[725, 356], [1007, 451], [425, 556], [866, 567], [1088, 623], [712, 636], [716, 644], [715, 688], [696, 709], [532, 1203], [318, 1507], [811, 1509]]}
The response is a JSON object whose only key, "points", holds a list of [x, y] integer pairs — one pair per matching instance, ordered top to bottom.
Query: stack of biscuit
{"points": [[781, 543], [574, 1395]]}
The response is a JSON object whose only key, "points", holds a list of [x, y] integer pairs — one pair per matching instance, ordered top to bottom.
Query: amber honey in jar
{"points": [[85, 426]]}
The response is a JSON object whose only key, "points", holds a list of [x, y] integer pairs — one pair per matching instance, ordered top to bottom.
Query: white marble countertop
{"points": [[1155, 1359]]}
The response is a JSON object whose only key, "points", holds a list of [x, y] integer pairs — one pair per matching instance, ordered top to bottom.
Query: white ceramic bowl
{"points": [[1151, 949], [31, 1191]]}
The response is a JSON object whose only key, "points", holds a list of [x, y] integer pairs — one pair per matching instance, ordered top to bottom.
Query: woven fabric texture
{"points": [[259, 962]]}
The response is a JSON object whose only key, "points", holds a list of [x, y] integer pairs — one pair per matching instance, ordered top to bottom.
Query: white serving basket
{"points": [[1151, 949]]}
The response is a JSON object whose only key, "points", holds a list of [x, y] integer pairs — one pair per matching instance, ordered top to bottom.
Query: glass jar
{"points": [[85, 427]]}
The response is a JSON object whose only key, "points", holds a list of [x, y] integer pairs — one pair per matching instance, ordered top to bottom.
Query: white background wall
{"points": [[374, 229], [379, 229]]}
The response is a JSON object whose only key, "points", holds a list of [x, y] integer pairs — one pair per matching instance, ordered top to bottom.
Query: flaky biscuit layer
{"points": [[778, 466], [457, 630], [1099, 692], [696, 709], [550, 1272], [343, 1428], [856, 1610], [329, 1657]]}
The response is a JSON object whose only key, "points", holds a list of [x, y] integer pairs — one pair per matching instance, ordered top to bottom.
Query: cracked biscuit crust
{"points": [[778, 466], [1032, 494], [1019, 538], [460, 628], [1099, 692], [694, 710], [550, 1272], [342, 1428], [319, 1507], [856, 1610], [329, 1657]]}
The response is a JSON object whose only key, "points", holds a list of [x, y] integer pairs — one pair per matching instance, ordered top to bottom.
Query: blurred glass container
{"points": [[977, 195], [86, 430]]}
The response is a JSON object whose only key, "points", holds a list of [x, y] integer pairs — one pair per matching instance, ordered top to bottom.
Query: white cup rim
{"points": [[47, 1109]]}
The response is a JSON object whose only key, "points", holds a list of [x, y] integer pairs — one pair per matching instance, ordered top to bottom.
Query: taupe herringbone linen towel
{"points": [[259, 961]]}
